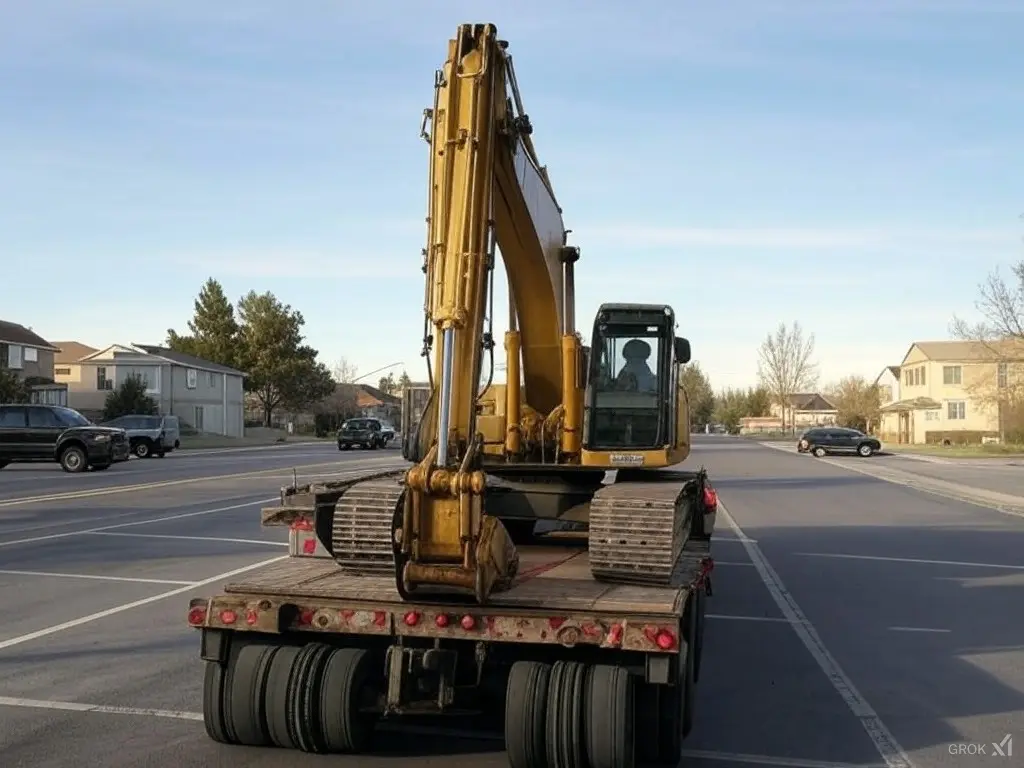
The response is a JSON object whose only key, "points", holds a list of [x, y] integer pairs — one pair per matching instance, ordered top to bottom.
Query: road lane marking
{"points": [[117, 489], [68, 534], [189, 538], [919, 561], [731, 563], [94, 577], [220, 577], [738, 617], [919, 629], [398, 726], [890, 750]]}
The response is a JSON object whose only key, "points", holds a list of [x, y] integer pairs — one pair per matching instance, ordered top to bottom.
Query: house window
{"points": [[31, 355], [14, 357], [61, 371], [191, 374], [952, 375], [922, 376], [1003, 376], [908, 377], [917, 377], [211, 379], [102, 382], [956, 410], [197, 420]]}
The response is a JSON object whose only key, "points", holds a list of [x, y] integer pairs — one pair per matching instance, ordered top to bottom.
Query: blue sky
{"points": [[751, 163]]}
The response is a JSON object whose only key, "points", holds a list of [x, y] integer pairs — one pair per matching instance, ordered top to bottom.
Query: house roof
{"points": [[13, 333], [970, 351], [72, 352], [189, 361], [893, 369], [367, 396], [810, 401]]}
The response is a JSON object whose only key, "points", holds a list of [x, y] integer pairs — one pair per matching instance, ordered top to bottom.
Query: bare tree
{"points": [[999, 339], [784, 367], [344, 372]]}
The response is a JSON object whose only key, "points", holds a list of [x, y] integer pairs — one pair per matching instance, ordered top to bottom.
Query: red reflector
{"points": [[710, 497], [302, 524], [309, 546], [196, 616], [227, 616], [251, 618], [380, 618], [411, 619], [442, 620], [468, 622], [555, 622], [615, 634], [665, 640]]}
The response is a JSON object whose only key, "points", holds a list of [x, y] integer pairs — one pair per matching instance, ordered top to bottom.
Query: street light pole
{"points": [[377, 370]]}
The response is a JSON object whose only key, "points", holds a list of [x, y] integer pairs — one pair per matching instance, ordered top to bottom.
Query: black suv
{"points": [[366, 432], [52, 433], [824, 440]]}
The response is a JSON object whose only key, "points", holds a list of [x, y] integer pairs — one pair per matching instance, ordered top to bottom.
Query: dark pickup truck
{"points": [[365, 432], [30, 433]]}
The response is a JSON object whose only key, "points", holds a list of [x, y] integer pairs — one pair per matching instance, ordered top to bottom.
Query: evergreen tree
{"points": [[214, 329]]}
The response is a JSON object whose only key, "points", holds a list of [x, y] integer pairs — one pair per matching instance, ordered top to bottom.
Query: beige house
{"points": [[30, 357], [950, 391], [203, 395], [802, 411]]}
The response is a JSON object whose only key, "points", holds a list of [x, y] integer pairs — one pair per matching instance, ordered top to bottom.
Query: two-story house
{"points": [[30, 357], [950, 391], [203, 395], [804, 410]]}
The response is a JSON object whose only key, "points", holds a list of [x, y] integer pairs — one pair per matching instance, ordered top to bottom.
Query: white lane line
{"points": [[67, 534], [188, 538], [732, 563], [957, 563], [54, 574], [135, 604], [737, 617], [919, 629], [74, 706], [890, 750], [733, 757]]}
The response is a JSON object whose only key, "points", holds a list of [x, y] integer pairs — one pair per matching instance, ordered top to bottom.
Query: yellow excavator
{"points": [[491, 460]]}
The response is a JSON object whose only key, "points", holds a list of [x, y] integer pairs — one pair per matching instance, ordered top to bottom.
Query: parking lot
{"points": [[854, 622]]}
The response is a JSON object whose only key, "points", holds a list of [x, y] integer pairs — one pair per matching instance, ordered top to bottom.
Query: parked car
{"points": [[365, 432], [30, 433], [149, 435], [824, 440]]}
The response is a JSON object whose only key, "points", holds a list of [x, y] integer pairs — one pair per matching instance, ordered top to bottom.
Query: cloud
{"points": [[641, 236]]}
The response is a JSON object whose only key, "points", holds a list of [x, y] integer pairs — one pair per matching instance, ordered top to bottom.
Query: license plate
{"points": [[627, 458]]}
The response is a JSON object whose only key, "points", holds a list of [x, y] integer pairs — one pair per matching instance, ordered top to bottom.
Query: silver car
{"points": [[149, 435]]}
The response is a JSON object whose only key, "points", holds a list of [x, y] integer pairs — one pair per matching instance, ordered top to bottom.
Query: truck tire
{"points": [[72, 459], [700, 604], [347, 675], [689, 687], [248, 694], [276, 700], [526, 702], [676, 702], [214, 715], [609, 717], [305, 722], [565, 747]]}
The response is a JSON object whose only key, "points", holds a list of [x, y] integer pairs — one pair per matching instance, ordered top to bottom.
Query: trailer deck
{"points": [[552, 576]]}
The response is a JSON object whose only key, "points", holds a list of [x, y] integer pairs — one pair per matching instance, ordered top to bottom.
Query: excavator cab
{"points": [[633, 398]]}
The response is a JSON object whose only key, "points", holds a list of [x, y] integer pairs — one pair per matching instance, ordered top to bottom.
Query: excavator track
{"points": [[638, 531], [361, 533]]}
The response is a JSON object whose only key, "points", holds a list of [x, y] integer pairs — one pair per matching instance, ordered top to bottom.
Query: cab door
{"points": [[13, 432]]}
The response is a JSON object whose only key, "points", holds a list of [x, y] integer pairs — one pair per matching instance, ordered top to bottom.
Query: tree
{"points": [[214, 329], [1000, 336], [784, 366], [282, 370], [344, 372], [403, 381], [387, 384], [13, 389], [699, 393], [129, 398], [758, 401], [857, 401]]}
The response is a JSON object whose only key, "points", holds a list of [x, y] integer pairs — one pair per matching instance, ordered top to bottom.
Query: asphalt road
{"points": [[819, 654]]}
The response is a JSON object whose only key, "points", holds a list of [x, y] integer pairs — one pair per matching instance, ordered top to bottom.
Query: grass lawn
{"points": [[254, 437], [992, 450]]}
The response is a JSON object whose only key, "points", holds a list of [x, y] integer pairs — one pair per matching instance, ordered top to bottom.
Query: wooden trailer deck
{"points": [[553, 576]]}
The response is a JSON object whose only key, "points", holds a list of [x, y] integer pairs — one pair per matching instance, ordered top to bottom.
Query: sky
{"points": [[852, 166]]}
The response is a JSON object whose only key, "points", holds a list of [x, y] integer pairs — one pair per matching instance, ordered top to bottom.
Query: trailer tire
{"points": [[700, 604], [251, 667], [689, 679], [526, 702], [676, 703], [277, 707], [214, 719], [609, 720], [305, 723], [346, 729], [565, 743]]}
